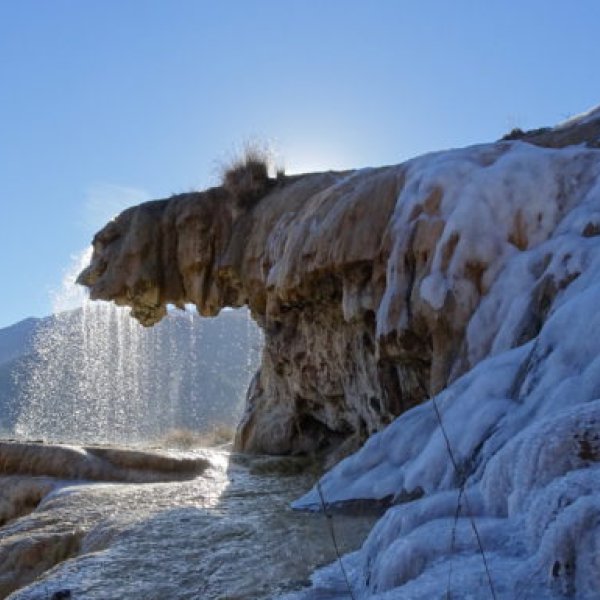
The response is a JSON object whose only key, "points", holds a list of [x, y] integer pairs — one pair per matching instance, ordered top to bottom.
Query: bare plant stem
{"points": [[467, 506], [329, 519]]}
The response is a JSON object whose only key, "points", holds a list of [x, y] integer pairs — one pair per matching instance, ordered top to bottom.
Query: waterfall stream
{"points": [[97, 376]]}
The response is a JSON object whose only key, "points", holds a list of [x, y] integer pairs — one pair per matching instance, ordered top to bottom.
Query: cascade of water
{"points": [[194, 355], [97, 376]]}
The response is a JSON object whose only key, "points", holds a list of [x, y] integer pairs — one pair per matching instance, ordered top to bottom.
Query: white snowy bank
{"points": [[523, 424]]}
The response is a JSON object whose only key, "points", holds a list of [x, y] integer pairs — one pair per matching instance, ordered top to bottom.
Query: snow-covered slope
{"points": [[510, 451]]}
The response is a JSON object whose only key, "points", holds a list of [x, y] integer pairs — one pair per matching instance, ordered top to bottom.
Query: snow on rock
{"points": [[583, 118], [523, 422], [524, 429]]}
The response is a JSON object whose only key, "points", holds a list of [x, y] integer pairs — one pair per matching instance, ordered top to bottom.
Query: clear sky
{"points": [[105, 103]]}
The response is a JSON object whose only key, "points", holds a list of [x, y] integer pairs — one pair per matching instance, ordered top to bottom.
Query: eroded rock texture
{"points": [[369, 285]]}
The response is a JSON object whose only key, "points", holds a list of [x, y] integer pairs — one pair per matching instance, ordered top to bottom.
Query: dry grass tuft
{"points": [[247, 177], [186, 439]]}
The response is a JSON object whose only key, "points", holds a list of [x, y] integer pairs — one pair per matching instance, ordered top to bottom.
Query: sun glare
{"points": [[308, 159]]}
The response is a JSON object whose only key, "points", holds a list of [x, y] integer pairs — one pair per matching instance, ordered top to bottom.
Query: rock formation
{"points": [[370, 285], [95, 463], [35, 478], [493, 485]]}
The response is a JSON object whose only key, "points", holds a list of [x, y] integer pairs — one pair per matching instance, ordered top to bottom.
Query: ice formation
{"points": [[522, 425]]}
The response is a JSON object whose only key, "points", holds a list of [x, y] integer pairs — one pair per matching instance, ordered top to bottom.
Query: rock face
{"points": [[370, 285], [95, 463], [502, 465]]}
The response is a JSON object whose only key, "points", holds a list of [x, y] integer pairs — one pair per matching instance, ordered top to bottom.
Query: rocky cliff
{"points": [[373, 287], [493, 485]]}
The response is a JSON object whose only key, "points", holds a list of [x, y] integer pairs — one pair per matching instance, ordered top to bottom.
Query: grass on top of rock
{"points": [[247, 178]]}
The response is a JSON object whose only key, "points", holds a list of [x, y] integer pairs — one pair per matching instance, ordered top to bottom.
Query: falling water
{"points": [[97, 376]]}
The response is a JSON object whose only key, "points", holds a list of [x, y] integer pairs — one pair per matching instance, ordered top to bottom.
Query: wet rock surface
{"points": [[98, 463]]}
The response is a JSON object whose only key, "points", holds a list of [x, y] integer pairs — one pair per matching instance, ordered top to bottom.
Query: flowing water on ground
{"points": [[227, 534]]}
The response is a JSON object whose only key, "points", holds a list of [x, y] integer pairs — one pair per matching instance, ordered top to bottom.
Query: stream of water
{"points": [[228, 534]]}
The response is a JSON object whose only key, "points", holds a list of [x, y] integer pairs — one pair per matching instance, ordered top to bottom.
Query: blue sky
{"points": [[105, 103]]}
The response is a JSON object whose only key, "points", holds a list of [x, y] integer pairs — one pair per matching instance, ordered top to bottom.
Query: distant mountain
{"points": [[16, 340], [95, 375], [8, 392]]}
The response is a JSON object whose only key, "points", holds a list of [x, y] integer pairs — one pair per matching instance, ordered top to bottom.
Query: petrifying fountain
{"points": [[370, 285]]}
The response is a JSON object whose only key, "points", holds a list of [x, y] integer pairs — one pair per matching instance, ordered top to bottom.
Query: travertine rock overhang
{"points": [[367, 284]]}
